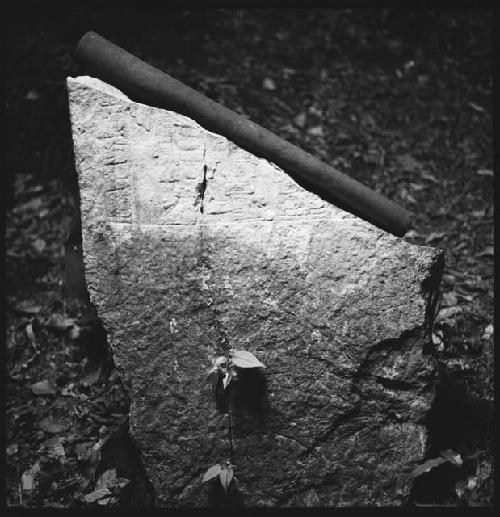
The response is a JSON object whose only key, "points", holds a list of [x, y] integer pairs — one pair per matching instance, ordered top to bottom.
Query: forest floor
{"points": [[400, 100]]}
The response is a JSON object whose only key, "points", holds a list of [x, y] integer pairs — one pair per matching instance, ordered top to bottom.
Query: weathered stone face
{"points": [[189, 239]]}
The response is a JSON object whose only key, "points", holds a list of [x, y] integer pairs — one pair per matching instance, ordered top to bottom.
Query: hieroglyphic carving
{"points": [[180, 155]]}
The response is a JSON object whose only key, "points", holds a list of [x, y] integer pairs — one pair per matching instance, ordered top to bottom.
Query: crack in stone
{"points": [[202, 187], [430, 290], [394, 384], [344, 417], [291, 438], [177, 493]]}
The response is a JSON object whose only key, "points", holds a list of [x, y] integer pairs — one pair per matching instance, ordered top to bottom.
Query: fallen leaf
{"points": [[409, 64], [422, 79], [268, 84], [32, 95], [476, 107], [314, 110], [300, 120], [368, 121], [315, 131], [372, 156], [408, 163], [429, 176], [417, 187], [410, 199], [33, 204], [412, 234], [435, 236], [39, 245], [460, 246], [489, 251], [449, 279], [469, 285], [466, 297], [449, 299], [27, 307], [448, 313], [61, 323], [75, 332], [488, 332], [30, 333], [11, 340], [438, 341], [244, 359], [113, 376], [92, 377], [45, 387], [69, 391], [53, 425], [55, 448], [11, 449], [83, 450], [95, 452], [427, 466], [484, 470], [28, 479], [106, 480], [122, 482], [471, 482], [84, 484], [460, 487], [96, 495], [105, 501]]}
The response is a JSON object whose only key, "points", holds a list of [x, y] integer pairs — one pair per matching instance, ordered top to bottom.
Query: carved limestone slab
{"points": [[191, 242]]}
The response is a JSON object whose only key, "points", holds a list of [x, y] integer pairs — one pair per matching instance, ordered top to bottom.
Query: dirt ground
{"points": [[400, 100]]}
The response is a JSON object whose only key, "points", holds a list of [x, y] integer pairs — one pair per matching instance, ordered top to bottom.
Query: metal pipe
{"points": [[144, 83]]}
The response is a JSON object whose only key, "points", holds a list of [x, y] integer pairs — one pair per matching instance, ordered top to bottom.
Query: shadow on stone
{"points": [[331, 198], [249, 404], [456, 422], [121, 452], [218, 498]]}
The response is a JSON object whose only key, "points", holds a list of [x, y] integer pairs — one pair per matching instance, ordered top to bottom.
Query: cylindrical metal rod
{"points": [[143, 82]]}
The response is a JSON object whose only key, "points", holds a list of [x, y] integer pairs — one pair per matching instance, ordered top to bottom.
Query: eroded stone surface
{"points": [[189, 239]]}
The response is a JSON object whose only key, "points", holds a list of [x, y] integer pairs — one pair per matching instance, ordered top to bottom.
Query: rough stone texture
{"points": [[189, 239]]}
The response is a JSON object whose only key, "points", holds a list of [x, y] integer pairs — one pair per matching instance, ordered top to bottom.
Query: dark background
{"points": [[399, 99]]}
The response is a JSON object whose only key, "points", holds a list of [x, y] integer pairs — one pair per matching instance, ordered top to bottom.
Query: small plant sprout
{"points": [[226, 367], [223, 472]]}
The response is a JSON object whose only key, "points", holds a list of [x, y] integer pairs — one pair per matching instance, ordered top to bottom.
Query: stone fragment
{"points": [[191, 243]]}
